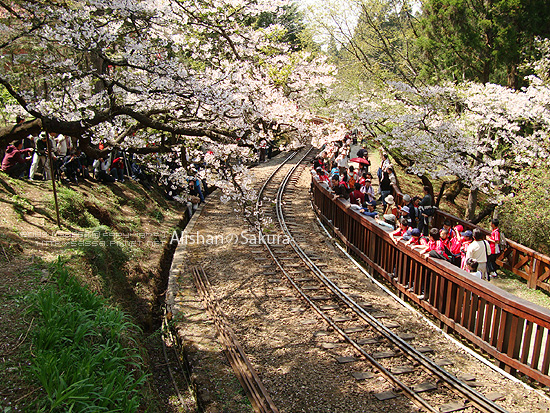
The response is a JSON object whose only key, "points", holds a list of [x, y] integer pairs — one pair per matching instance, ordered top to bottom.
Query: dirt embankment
{"points": [[128, 265]]}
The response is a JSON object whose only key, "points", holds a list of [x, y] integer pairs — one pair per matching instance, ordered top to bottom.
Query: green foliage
{"points": [[290, 18], [383, 40], [480, 40], [378, 48], [5, 100], [139, 204], [72, 208], [157, 214], [524, 216], [84, 358]]}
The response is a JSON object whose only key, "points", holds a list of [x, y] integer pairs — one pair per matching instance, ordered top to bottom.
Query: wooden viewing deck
{"points": [[529, 264], [512, 330]]}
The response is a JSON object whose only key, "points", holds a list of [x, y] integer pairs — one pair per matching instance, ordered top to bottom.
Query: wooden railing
{"points": [[530, 265], [512, 330]]}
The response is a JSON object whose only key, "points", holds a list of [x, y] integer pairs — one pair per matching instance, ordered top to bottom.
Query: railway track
{"points": [[410, 371], [251, 383], [256, 392]]}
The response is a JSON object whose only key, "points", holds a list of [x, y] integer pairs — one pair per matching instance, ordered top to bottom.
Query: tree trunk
{"points": [[98, 65], [513, 79], [20, 131], [85, 145], [183, 157], [399, 160], [453, 190], [440, 195], [472, 204], [486, 212]]}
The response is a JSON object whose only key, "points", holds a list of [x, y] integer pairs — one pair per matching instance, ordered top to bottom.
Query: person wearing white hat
{"points": [[392, 212]]}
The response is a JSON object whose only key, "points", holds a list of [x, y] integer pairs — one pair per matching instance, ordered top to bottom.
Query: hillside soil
{"points": [[131, 273]]}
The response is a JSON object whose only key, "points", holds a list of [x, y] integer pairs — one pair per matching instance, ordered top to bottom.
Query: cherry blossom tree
{"points": [[158, 76], [482, 135]]}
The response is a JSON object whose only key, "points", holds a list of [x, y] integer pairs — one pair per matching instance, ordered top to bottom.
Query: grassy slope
{"points": [[127, 273]]}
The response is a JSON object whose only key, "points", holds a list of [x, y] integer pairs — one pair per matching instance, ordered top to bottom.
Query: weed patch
{"points": [[139, 204], [21, 206], [72, 208], [157, 214], [9, 247], [105, 255], [84, 355]]}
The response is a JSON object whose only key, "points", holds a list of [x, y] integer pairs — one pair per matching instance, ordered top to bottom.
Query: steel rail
{"points": [[270, 177], [245, 372], [477, 398], [419, 401]]}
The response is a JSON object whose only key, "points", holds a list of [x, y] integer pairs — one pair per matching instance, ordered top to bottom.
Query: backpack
{"points": [[503, 244]]}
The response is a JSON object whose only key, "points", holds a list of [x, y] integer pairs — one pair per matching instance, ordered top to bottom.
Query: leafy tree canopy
{"points": [[480, 40], [171, 76]]}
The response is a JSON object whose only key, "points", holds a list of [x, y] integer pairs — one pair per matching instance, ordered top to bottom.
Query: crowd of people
{"points": [[27, 157], [30, 159], [411, 220]]}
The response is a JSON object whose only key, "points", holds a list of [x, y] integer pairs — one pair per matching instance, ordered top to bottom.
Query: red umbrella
{"points": [[360, 160]]}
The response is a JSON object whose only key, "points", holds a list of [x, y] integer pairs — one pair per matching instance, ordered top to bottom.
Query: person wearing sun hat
{"points": [[391, 213], [405, 214]]}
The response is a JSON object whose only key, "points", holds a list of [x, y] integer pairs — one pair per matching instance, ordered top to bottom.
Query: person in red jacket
{"points": [[15, 162], [117, 169], [323, 177], [357, 197], [403, 230], [416, 239], [494, 243], [455, 244], [436, 246]]}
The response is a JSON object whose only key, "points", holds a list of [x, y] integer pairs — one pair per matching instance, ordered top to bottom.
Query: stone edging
{"points": [[172, 306]]}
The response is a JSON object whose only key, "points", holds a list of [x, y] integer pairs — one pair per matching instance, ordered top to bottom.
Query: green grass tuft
{"points": [[21, 206], [72, 208], [105, 254], [85, 357]]}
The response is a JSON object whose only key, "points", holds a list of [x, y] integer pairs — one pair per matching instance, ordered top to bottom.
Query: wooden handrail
{"points": [[529, 264], [514, 331]]}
